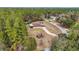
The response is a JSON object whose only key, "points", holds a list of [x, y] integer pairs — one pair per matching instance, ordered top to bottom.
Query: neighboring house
{"points": [[61, 15], [53, 17]]}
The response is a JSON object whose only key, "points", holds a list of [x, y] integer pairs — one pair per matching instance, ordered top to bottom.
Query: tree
{"points": [[66, 22], [14, 35], [70, 43], [31, 44], [59, 44]]}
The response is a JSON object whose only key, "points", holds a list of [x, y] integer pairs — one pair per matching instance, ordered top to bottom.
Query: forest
{"points": [[14, 26]]}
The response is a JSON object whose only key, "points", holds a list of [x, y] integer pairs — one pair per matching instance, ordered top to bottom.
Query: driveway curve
{"points": [[45, 29], [63, 30]]}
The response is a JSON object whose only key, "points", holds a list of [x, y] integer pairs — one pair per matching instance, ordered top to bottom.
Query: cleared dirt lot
{"points": [[52, 28], [46, 40], [43, 42]]}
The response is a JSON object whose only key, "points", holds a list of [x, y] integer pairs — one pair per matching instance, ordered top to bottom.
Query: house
{"points": [[53, 17]]}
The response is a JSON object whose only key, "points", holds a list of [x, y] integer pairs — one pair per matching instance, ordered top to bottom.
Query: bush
{"points": [[66, 22], [30, 44]]}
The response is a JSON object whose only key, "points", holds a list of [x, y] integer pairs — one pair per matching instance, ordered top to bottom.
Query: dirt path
{"points": [[45, 29], [63, 30]]}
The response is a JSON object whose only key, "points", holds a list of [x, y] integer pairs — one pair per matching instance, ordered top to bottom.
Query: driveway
{"points": [[45, 29], [63, 30]]}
